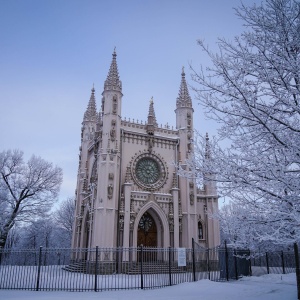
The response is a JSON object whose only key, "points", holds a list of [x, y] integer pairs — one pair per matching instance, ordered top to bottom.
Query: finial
{"points": [[115, 54], [182, 73], [93, 88], [151, 100], [207, 138]]}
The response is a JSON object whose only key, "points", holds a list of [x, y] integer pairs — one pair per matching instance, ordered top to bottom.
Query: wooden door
{"points": [[147, 232]]}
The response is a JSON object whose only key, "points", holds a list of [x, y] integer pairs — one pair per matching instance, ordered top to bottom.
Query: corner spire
{"points": [[113, 81], [183, 99], [91, 111], [151, 118]]}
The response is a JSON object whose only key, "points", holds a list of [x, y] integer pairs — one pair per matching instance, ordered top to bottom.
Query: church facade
{"points": [[128, 191]]}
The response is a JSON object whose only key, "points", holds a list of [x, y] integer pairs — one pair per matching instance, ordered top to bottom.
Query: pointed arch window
{"points": [[200, 231]]}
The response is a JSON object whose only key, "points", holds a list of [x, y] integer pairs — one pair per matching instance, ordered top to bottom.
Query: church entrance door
{"points": [[147, 232], [147, 236]]}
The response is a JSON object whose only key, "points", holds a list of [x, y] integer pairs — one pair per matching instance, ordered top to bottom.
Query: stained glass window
{"points": [[147, 170]]}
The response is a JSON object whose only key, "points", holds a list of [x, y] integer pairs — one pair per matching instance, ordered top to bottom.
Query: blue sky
{"points": [[53, 51]]}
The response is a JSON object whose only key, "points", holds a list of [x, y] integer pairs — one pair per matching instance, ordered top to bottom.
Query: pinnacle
{"points": [[112, 81], [183, 99], [91, 111], [151, 114], [151, 124]]}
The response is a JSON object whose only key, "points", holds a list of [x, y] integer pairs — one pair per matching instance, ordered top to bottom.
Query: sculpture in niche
{"points": [[189, 119], [113, 130], [112, 134], [150, 144], [111, 176], [110, 190], [192, 196], [132, 219], [121, 222], [171, 224]]}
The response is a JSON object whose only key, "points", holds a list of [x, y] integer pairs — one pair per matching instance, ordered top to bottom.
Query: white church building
{"points": [[128, 191]]}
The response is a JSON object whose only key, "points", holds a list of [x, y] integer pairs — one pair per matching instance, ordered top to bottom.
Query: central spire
{"points": [[113, 81], [183, 99], [151, 124]]}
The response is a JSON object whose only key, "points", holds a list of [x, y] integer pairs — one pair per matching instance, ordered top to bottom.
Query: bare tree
{"points": [[253, 92], [27, 190], [64, 216]]}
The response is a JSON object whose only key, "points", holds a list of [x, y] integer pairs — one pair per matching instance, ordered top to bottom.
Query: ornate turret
{"points": [[113, 81], [184, 99], [91, 111], [151, 124]]}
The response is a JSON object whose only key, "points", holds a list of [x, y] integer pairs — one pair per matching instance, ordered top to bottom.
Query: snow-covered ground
{"points": [[266, 287]]}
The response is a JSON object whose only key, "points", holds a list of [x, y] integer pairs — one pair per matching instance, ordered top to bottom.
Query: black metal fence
{"points": [[101, 269]]}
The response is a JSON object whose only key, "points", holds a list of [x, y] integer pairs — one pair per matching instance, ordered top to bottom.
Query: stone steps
{"points": [[76, 267], [155, 268], [131, 269]]}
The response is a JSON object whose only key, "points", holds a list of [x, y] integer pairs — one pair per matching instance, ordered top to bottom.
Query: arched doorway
{"points": [[161, 223], [147, 231]]}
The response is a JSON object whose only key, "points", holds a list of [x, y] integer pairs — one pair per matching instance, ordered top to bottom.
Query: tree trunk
{"points": [[3, 238], [297, 269]]}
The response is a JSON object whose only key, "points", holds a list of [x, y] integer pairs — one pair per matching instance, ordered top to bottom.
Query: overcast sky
{"points": [[52, 51]]}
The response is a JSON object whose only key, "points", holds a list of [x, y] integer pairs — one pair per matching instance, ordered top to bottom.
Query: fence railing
{"points": [[101, 269]]}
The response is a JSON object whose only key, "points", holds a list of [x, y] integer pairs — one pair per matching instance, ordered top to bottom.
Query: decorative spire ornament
{"points": [[113, 81], [183, 99], [91, 111], [151, 124]]}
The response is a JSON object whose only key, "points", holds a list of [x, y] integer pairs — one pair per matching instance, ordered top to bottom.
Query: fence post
{"points": [[193, 254], [267, 260], [282, 260], [226, 262], [235, 265], [250, 265], [96, 268], [39, 269], [208, 269], [297, 269], [170, 271], [142, 281]]}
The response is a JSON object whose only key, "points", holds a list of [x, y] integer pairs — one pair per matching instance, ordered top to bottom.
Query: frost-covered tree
{"points": [[253, 91], [27, 190], [64, 217], [237, 230], [40, 232]]}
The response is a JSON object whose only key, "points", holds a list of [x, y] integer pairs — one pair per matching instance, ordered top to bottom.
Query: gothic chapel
{"points": [[128, 192]]}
